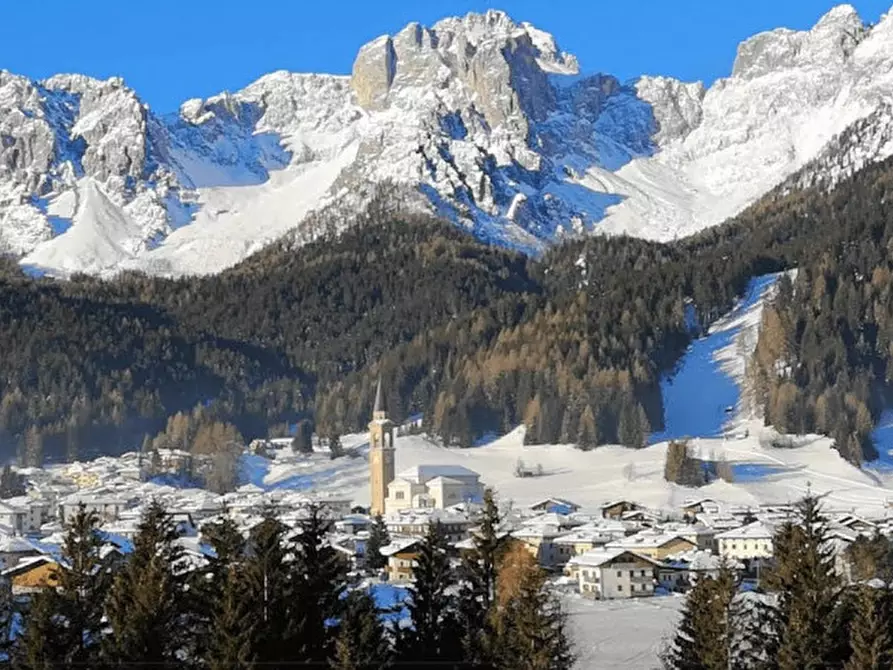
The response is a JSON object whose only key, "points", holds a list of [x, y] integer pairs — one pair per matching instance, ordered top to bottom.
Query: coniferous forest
{"points": [[572, 344], [281, 597]]}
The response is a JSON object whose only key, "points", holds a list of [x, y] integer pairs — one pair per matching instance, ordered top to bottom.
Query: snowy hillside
{"points": [[486, 116]]}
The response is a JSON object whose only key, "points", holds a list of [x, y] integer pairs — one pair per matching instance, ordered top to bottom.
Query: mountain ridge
{"points": [[485, 116]]}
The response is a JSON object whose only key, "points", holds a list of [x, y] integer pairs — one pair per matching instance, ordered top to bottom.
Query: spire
{"points": [[378, 409]]}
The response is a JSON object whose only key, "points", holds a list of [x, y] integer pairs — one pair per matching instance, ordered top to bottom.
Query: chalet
{"points": [[558, 505], [691, 508], [616, 509], [857, 524], [583, 539], [747, 542], [654, 544], [401, 554], [680, 571], [32, 574], [607, 574]]}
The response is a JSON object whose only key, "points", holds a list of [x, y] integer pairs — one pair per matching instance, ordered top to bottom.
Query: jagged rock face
{"points": [[486, 117]]}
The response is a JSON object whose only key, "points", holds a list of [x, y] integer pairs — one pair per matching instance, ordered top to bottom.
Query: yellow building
{"points": [[381, 453], [655, 545], [32, 574]]}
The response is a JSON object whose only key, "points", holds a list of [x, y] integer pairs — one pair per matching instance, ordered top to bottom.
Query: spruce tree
{"points": [[378, 538], [319, 582], [478, 587], [269, 590], [808, 592], [145, 606], [229, 620], [65, 623], [529, 624], [434, 636], [703, 640], [870, 641], [362, 643]]}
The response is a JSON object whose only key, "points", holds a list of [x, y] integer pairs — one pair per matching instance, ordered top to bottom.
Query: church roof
{"points": [[379, 398], [423, 473]]}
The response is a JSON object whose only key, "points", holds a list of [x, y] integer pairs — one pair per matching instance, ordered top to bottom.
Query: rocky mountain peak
{"points": [[482, 115]]}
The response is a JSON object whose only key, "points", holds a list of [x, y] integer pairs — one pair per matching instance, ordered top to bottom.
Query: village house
{"points": [[557, 505], [108, 508], [616, 508], [691, 508], [22, 515], [415, 523], [585, 538], [747, 542], [653, 543], [14, 548], [401, 554], [680, 571], [32, 574], [606, 574]]}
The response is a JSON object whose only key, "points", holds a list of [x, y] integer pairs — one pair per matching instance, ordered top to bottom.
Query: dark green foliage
{"points": [[303, 439], [681, 467], [12, 484], [378, 538], [871, 558], [319, 580], [808, 591], [270, 596], [146, 601], [435, 635], [870, 639], [703, 640], [361, 643]]}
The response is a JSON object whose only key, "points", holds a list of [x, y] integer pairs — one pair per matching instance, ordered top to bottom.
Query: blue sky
{"points": [[172, 50]]}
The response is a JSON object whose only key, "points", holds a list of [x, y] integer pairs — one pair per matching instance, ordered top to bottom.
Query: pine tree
{"points": [[378, 538], [319, 582], [478, 588], [808, 591], [270, 593], [146, 601], [65, 623], [529, 624], [230, 626], [434, 636], [703, 640], [44, 641], [870, 641], [361, 643]]}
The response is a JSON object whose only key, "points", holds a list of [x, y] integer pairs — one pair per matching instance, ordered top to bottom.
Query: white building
{"points": [[433, 486], [747, 542], [611, 574]]}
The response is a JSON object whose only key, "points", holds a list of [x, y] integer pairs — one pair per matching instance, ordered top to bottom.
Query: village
{"points": [[620, 549]]}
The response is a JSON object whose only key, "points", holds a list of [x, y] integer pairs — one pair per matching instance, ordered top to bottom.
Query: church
{"points": [[420, 487]]}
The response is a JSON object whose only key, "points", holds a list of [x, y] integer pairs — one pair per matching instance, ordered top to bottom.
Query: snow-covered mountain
{"points": [[486, 117]]}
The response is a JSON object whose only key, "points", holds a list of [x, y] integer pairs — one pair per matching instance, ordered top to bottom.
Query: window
{"points": [[398, 495], [620, 573], [632, 573], [643, 573], [620, 587]]}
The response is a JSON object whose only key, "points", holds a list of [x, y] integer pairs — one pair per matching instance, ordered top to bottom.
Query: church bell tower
{"points": [[381, 453]]}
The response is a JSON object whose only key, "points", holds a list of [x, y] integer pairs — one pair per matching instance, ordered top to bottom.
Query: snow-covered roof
{"points": [[423, 473], [444, 481], [752, 531], [647, 539], [15, 544], [398, 545], [597, 557]]}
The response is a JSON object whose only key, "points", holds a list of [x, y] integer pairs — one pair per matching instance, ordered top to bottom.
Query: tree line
{"points": [[282, 598]]}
